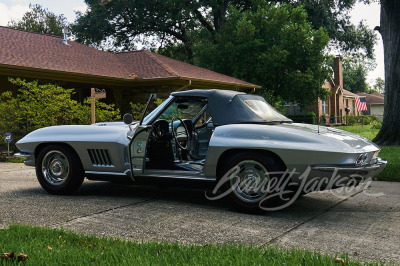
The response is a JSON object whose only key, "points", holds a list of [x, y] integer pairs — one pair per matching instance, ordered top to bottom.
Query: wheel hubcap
{"points": [[55, 168], [251, 182]]}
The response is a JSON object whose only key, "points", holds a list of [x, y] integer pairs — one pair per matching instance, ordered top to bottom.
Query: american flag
{"points": [[361, 104]]}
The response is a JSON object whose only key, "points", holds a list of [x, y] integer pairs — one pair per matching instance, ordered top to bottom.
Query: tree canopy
{"points": [[334, 17], [40, 20], [161, 22], [164, 23], [267, 44], [271, 46], [355, 71], [379, 85]]}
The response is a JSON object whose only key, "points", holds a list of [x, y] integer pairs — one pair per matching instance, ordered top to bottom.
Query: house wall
{"points": [[376, 109]]}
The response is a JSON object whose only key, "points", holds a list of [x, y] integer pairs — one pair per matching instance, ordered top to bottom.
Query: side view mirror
{"points": [[128, 119]]}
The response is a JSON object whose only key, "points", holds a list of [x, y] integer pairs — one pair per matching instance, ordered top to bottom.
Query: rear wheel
{"points": [[59, 170], [248, 177]]}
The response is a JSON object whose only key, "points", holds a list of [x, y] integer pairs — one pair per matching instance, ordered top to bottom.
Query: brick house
{"points": [[126, 77], [335, 104]]}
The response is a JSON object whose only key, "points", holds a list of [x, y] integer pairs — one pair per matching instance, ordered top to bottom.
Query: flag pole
{"points": [[362, 120]]}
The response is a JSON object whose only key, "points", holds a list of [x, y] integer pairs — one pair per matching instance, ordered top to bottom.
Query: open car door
{"points": [[138, 145], [137, 149]]}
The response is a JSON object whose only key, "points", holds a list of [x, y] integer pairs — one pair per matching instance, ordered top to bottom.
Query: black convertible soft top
{"points": [[229, 107]]}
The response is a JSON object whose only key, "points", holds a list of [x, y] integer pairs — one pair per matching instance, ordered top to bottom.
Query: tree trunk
{"points": [[390, 31]]}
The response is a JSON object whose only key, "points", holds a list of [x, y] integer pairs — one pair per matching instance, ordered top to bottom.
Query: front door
{"points": [[137, 149]]}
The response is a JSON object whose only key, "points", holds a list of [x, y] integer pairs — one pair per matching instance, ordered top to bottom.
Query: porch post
{"points": [[93, 106]]}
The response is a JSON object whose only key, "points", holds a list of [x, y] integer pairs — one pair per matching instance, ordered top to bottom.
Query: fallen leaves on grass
{"points": [[49, 248], [11, 256], [22, 257], [339, 260]]}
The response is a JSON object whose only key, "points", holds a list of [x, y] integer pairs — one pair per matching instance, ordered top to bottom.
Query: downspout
{"points": [[185, 86]]}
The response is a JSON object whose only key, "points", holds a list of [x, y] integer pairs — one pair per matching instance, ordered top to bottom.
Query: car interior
{"points": [[180, 136]]}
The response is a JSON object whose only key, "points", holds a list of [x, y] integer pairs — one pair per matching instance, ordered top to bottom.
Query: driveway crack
{"points": [[103, 211], [273, 240]]}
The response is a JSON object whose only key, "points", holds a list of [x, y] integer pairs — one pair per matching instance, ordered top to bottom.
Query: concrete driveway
{"points": [[364, 223]]}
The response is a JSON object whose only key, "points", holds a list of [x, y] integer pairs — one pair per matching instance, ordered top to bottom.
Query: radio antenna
{"points": [[319, 98]]}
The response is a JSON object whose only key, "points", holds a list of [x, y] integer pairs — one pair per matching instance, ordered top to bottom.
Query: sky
{"points": [[14, 9]]}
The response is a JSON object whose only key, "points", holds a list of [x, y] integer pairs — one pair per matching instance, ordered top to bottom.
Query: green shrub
{"points": [[36, 106], [137, 109], [103, 112], [308, 118], [374, 118], [366, 119], [351, 120], [376, 124]]}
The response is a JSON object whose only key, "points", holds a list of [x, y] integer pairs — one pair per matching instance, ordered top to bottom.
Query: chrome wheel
{"points": [[55, 168], [251, 181]]}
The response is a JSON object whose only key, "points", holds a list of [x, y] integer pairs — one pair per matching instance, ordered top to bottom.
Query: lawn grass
{"points": [[366, 132], [390, 153], [392, 169], [57, 247]]}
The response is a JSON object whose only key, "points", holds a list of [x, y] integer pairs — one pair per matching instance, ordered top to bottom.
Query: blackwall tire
{"points": [[252, 168], [59, 170]]}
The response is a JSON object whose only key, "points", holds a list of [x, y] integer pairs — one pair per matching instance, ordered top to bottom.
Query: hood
{"points": [[292, 137], [354, 141]]}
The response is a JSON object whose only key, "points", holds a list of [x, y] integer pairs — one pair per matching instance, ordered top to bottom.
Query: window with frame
{"points": [[325, 107]]}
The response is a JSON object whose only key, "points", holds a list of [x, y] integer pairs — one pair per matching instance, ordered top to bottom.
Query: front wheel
{"points": [[59, 170], [250, 179]]}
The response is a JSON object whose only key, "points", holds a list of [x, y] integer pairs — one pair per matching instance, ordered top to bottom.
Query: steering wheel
{"points": [[160, 128], [174, 133]]}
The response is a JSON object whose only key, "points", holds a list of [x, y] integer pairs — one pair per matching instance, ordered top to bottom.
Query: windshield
{"points": [[263, 109], [155, 112]]}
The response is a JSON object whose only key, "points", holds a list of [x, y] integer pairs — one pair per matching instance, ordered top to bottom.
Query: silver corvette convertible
{"points": [[235, 141]]}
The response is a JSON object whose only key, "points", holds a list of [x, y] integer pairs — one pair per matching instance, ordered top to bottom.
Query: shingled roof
{"points": [[44, 52], [350, 94], [374, 98]]}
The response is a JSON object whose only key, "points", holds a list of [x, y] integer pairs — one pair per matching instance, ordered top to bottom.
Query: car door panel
{"points": [[137, 149]]}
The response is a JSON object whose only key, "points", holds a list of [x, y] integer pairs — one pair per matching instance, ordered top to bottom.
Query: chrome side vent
{"points": [[100, 157]]}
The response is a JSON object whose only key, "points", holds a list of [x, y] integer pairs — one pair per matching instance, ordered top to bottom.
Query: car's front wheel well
{"points": [[41, 146], [229, 153]]}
